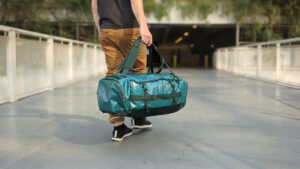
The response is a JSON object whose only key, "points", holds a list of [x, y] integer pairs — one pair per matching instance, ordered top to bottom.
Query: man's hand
{"points": [[138, 10], [146, 36]]}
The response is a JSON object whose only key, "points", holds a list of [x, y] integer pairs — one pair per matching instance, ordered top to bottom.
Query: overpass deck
{"points": [[228, 122]]}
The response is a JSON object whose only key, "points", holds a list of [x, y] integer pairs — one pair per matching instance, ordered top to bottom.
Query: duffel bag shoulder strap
{"points": [[130, 59]]}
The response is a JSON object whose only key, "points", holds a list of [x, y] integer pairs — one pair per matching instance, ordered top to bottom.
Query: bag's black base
{"points": [[138, 113]]}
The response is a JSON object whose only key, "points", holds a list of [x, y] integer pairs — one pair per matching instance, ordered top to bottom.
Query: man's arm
{"points": [[138, 10], [95, 14]]}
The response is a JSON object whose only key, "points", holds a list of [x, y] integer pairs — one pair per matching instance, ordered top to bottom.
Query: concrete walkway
{"points": [[228, 122]]}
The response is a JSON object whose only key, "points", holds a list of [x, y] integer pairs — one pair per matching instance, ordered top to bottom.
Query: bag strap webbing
{"points": [[129, 60], [150, 60], [163, 61]]}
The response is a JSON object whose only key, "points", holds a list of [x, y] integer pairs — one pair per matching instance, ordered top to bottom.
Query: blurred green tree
{"points": [[188, 8], [73, 10], [21, 11], [69, 12], [37, 15], [264, 19], [267, 19]]}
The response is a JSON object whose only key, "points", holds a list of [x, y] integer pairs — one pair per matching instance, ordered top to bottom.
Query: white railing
{"points": [[277, 61], [33, 62]]}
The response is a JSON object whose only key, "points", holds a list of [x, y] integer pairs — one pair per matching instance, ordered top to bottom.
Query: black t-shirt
{"points": [[116, 14]]}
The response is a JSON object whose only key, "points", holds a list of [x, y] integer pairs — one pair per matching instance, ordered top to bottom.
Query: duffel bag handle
{"points": [[130, 59], [163, 61]]}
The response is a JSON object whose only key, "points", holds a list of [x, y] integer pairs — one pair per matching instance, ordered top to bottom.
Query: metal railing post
{"points": [[235, 52], [220, 58], [85, 60], [95, 60], [217, 60], [226, 60], [70, 61], [259, 61], [278, 61], [49, 64], [244, 64], [11, 65], [103, 67]]}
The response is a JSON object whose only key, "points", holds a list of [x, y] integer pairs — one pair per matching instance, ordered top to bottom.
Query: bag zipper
{"points": [[153, 80], [119, 85]]}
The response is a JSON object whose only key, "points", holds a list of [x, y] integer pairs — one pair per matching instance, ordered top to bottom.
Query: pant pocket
{"points": [[104, 33]]}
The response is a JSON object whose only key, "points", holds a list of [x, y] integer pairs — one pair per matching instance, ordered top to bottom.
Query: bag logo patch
{"points": [[163, 85]]}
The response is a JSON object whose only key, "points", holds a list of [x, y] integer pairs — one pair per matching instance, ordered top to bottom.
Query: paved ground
{"points": [[228, 122]]}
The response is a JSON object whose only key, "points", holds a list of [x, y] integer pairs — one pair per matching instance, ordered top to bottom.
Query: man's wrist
{"points": [[143, 23], [144, 26]]}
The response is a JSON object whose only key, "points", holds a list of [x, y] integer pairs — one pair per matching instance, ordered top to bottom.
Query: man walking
{"points": [[120, 23]]}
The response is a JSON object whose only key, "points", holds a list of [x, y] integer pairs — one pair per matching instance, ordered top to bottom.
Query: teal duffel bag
{"points": [[141, 95]]}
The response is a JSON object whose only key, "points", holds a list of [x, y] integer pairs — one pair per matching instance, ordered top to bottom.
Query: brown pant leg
{"points": [[116, 43], [113, 57]]}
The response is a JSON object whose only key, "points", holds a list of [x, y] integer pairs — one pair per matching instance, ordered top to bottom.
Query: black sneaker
{"points": [[140, 123], [121, 132]]}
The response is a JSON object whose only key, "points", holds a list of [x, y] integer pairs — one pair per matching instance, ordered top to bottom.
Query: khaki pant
{"points": [[116, 43]]}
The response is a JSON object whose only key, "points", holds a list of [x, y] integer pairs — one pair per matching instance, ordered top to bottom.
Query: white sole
{"points": [[142, 127], [121, 139]]}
